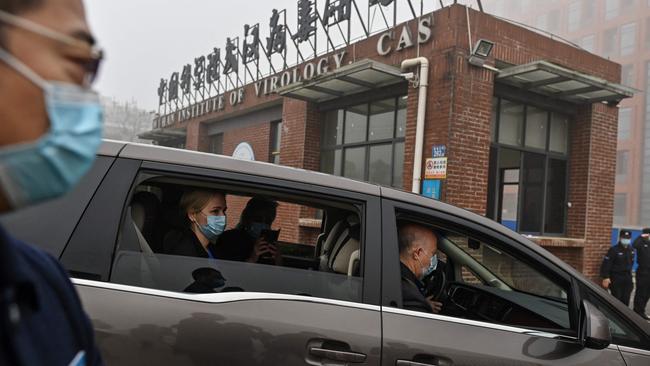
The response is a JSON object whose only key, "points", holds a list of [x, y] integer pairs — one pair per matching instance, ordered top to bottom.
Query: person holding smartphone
{"points": [[252, 240]]}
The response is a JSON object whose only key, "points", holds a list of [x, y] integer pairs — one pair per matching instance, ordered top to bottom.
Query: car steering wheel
{"points": [[435, 284]]}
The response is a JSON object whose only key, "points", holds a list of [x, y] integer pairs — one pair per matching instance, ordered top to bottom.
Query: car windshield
{"points": [[506, 270]]}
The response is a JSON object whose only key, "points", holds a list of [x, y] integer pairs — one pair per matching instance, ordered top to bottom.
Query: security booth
{"points": [[456, 105]]}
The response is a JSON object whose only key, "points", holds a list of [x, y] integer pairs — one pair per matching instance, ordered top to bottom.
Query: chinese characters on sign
{"points": [[380, 2], [337, 11], [306, 21], [277, 40], [251, 49], [232, 64], [199, 72], [217, 73], [212, 75], [186, 79], [173, 87], [439, 151], [436, 168]]}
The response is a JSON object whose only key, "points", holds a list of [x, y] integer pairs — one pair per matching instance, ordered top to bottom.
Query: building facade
{"points": [[618, 30], [124, 120], [522, 132]]}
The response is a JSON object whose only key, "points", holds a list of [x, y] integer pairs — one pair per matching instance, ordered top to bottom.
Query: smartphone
{"points": [[270, 236]]}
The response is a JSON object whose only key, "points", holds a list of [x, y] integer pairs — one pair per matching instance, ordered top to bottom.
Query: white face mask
{"points": [[433, 264]]}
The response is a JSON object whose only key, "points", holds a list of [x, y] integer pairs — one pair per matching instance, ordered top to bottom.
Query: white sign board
{"points": [[244, 151], [436, 168]]}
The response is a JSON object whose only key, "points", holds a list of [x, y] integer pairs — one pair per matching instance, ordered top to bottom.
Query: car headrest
{"points": [[144, 209], [138, 215], [333, 235], [341, 257]]}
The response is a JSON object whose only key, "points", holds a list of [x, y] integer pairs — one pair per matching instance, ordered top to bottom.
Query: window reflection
{"points": [[366, 141]]}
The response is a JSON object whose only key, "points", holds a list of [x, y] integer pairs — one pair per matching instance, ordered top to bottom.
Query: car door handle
{"points": [[345, 356], [440, 362], [413, 363]]}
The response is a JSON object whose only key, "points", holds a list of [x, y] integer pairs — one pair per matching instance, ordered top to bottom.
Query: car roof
{"points": [[199, 159]]}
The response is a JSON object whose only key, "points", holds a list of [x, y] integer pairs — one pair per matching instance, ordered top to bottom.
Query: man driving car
{"points": [[418, 246]]}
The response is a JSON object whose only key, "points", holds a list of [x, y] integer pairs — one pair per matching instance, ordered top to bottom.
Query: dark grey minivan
{"points": [[336, 298]]}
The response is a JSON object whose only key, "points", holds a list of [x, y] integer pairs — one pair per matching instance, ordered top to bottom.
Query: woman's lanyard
{"points": [[209, 253]]}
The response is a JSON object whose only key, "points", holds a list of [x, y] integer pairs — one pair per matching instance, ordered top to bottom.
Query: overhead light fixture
{"points": [[483, 48], [480, 53]]}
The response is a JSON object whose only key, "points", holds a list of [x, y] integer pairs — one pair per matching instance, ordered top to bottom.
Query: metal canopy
{"points": [[351, 79], [557, 82], [161, 134]]}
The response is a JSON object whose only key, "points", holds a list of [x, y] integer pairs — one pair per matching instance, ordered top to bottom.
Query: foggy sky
{"points": [[146, 40]]}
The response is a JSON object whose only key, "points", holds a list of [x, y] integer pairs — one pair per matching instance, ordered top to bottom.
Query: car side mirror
{"points": [[594, 327]]}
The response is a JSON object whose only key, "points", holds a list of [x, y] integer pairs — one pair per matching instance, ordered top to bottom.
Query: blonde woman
{"points": [[205, 214]]}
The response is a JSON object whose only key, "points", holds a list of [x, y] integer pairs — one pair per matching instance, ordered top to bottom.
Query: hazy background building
{"points": [[124, 120]]}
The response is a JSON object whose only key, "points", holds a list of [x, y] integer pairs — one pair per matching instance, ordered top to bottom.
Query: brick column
{"points": [[440, 98], [258, 136], [197, 137], [469, 137], [300, 143], [299, 148], [591, 182]]}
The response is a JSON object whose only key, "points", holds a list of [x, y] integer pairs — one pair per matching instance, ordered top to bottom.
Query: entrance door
{"points": [[509, 198]]}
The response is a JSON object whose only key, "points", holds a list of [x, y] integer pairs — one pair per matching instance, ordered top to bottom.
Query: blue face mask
{"points": [[52, 165], [215, 226], [255, 229], [625, 242], [433, 264]]}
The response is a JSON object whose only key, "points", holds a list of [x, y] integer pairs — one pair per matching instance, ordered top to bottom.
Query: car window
{"points": [[318, 243], [508, 270], [487, 281]]}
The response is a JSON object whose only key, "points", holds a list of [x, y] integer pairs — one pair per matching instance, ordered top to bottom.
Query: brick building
{"points": [[618, 30], [529, 131]]}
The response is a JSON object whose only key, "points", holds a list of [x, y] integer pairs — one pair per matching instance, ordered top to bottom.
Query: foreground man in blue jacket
{"points": [[50, 130]]}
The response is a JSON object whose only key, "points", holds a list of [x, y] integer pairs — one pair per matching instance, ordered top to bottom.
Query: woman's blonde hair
{"points": [[194, 201]]}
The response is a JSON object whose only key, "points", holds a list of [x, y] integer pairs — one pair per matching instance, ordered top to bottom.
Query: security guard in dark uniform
{"points": [[50, 130], [616, 269], [642, 293]]}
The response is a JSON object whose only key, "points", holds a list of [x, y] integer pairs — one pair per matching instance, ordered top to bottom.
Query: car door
{"points": [[269, 315], [471, 335]]}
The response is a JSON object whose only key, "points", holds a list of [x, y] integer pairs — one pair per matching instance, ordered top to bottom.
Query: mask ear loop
{"points": [[22, 69], [419, 262]]}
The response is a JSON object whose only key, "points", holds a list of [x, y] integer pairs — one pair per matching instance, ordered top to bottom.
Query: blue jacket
{"points": [[41, 318]]}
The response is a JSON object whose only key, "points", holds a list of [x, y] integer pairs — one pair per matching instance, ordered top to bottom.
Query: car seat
{"points": [[145, 212], [341, 248], [149, 264]]}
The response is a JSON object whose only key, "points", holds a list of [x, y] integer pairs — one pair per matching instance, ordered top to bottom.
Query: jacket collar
{"points": [[10, 273], [410, 276]]}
